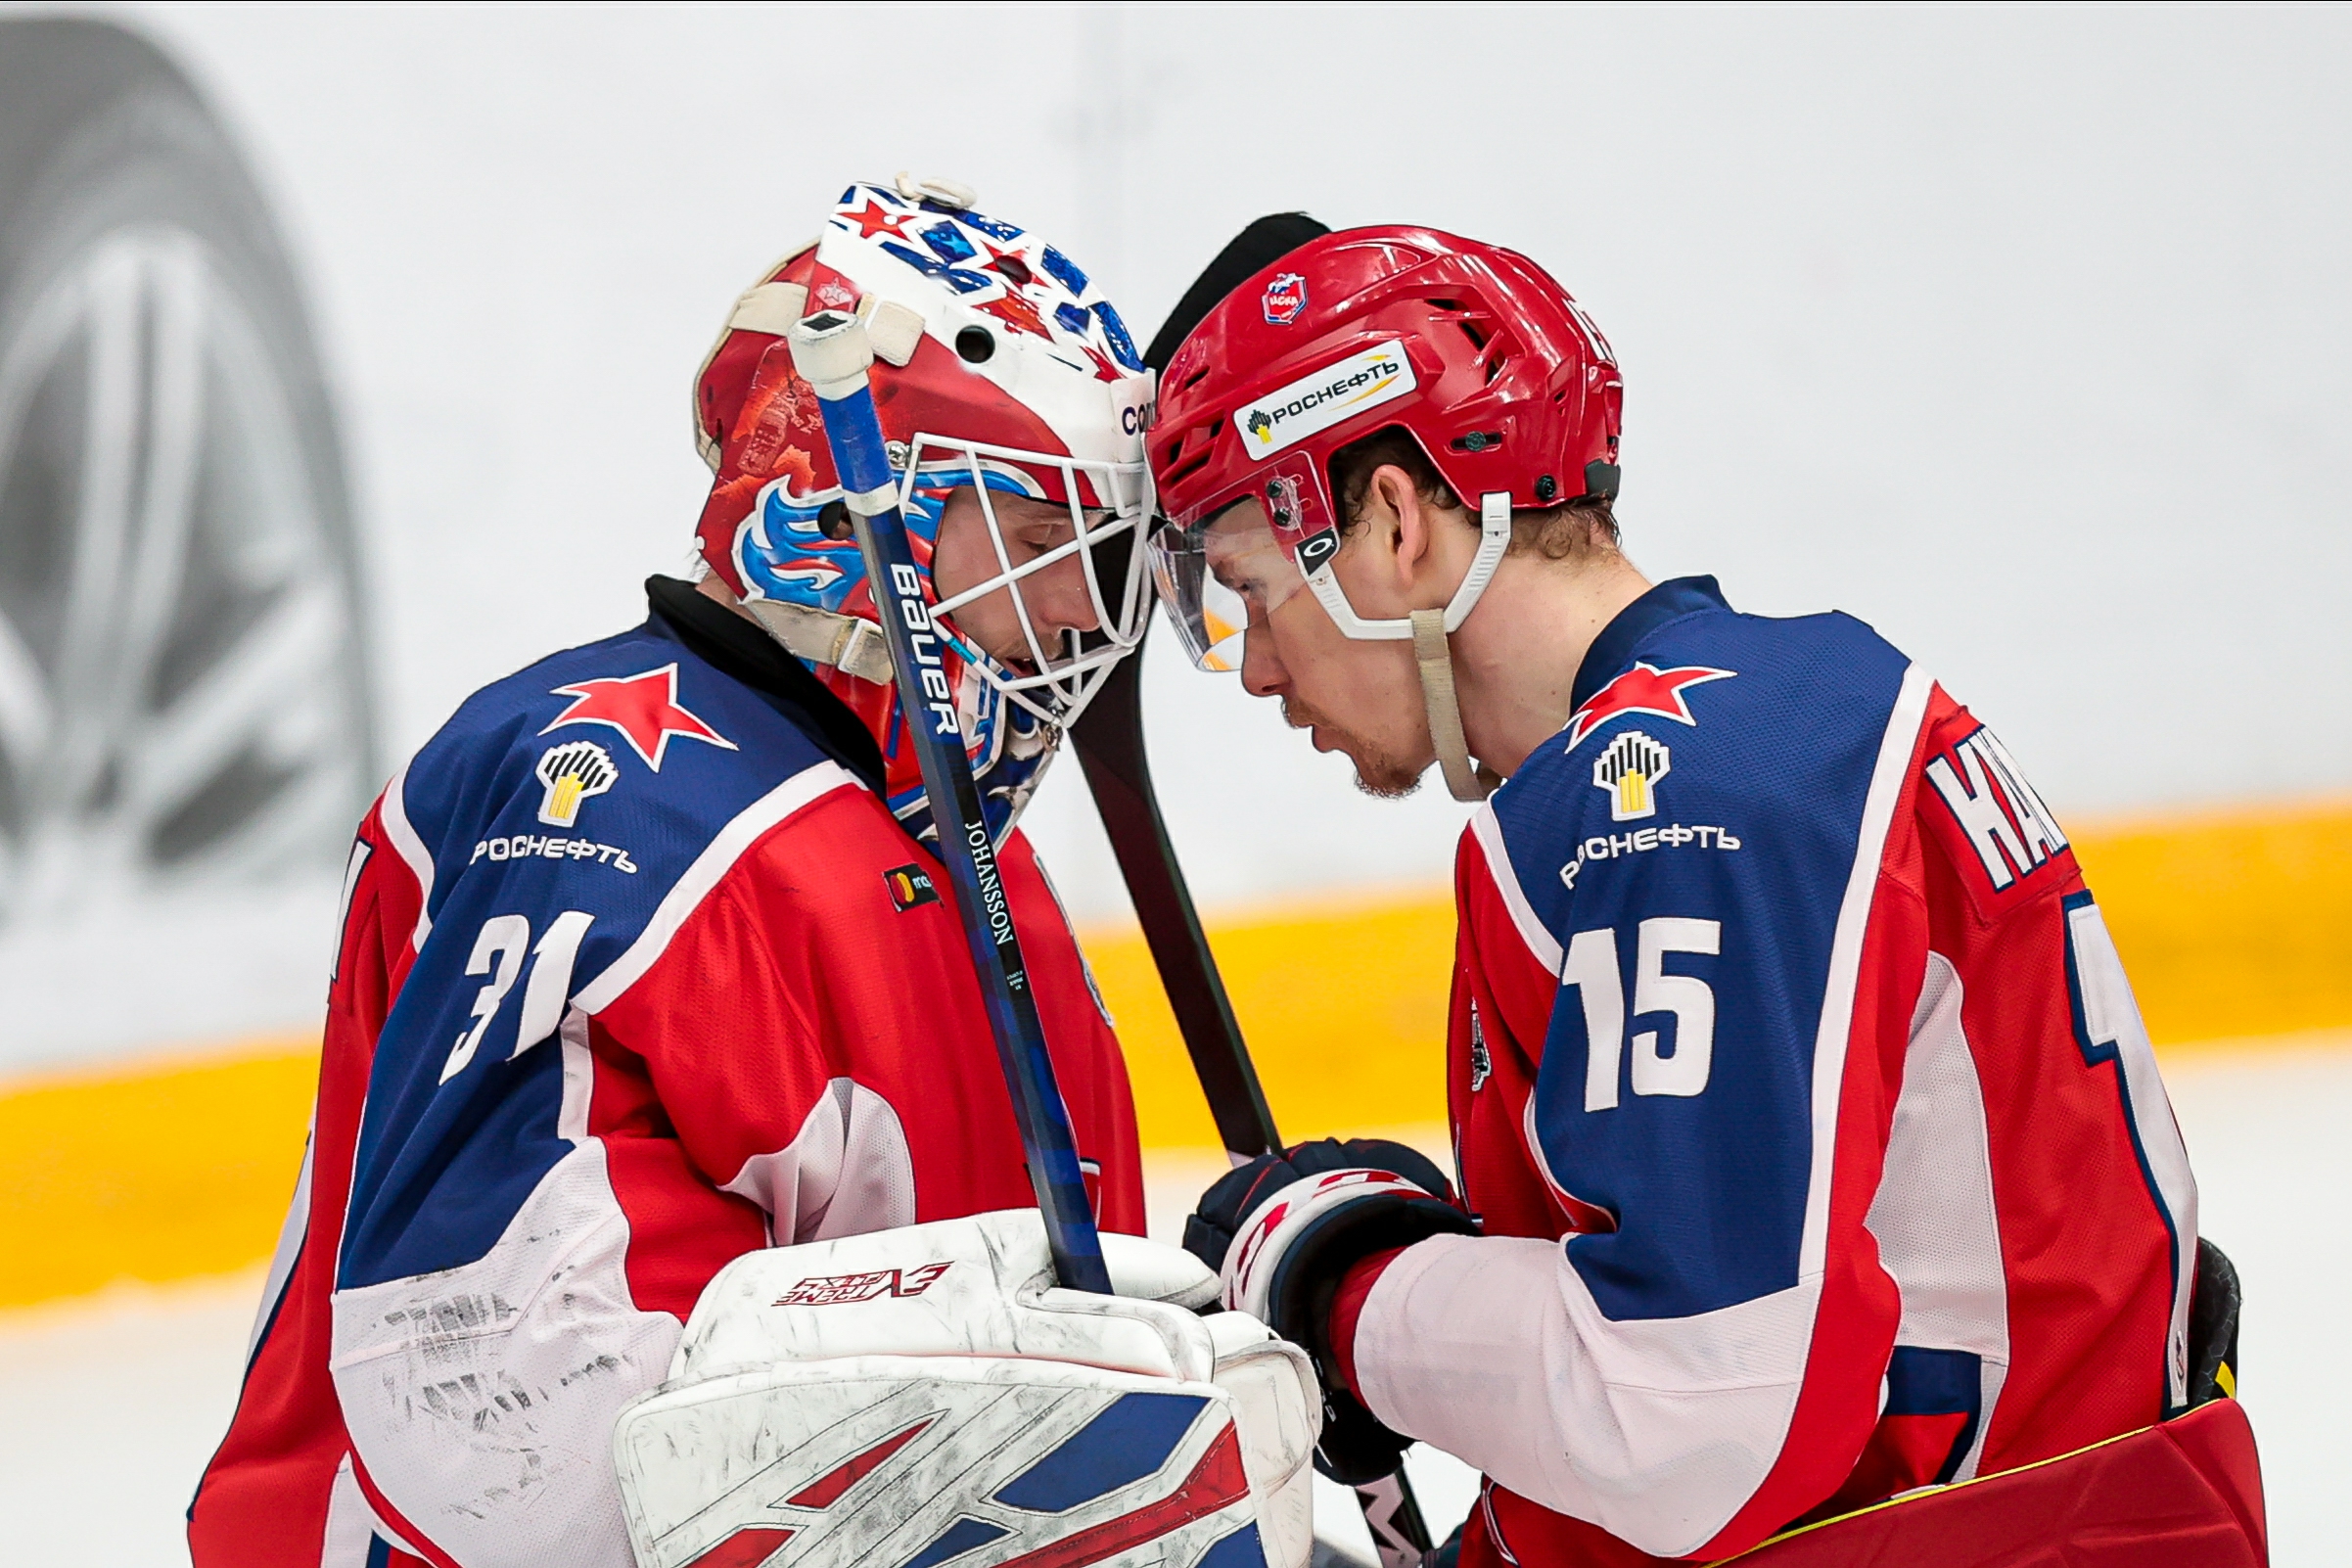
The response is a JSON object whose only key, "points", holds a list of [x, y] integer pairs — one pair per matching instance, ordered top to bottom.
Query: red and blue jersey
{"points": [[637, 973], [1820, 1149]]}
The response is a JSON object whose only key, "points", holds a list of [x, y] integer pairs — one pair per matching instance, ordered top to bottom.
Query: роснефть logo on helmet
{"points": [[1320, 400]]}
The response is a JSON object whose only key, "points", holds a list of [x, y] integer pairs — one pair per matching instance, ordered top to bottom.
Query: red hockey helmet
{"points": [[1474, 351]]}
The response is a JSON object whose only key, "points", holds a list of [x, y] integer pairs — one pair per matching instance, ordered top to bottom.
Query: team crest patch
{"points": [[1285, 298], [1642, 689], [1630, 770], [571, 772], [910, 887]]}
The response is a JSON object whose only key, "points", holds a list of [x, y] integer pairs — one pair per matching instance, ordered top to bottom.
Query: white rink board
{"points": [[111, 1410]]}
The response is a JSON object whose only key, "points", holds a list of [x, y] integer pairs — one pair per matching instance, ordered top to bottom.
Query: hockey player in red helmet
{"points": [[645, 971], [1811, 1147]]}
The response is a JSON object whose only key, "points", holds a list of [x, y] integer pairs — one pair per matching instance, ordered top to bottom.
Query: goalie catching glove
{"points": [[1283, 1231], [915, 1395]]}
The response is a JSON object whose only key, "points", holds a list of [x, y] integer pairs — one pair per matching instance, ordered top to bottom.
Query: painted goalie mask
{"points": [[1000, 370]]}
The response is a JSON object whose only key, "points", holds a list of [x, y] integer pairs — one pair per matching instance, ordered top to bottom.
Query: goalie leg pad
{"points": [[912, 1462]]}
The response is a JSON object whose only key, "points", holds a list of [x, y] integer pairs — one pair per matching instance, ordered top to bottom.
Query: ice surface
{"points": [[109, 1409]]}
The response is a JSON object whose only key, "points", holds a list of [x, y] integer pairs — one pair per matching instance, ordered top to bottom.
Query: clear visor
{"points": [[1221, 577], [1066, 665]]}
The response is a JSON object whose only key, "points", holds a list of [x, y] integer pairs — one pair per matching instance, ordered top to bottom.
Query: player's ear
{"points": [[1394, 504]]}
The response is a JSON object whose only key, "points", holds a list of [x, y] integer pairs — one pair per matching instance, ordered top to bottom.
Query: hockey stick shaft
{"points": [[831, 351], [1109, 736]]}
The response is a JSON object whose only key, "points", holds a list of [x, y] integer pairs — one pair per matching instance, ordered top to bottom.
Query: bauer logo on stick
{"points": [[1630, 770], [571, 772]]}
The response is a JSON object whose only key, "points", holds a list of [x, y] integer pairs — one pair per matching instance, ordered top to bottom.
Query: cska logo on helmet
{"points": [[1285, 298]]}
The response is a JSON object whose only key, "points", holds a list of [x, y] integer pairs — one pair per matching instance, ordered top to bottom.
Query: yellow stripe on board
{"points": [[2232, 925], [1342, 1005], [164, 1171]]}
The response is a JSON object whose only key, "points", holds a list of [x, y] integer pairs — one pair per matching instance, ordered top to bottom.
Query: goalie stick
{"points": [[831, 351], [1109, 736]]}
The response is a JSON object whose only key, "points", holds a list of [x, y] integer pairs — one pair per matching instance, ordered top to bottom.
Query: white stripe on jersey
{"points": [[1895, 749], [411, 850], [719, 857], [1541, 943], [2112, 1017], [1938, 1231], [291, 1232]]}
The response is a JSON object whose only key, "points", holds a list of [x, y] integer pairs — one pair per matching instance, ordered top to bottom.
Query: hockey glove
{"points": [[1283, 1230], [925, 1392]]}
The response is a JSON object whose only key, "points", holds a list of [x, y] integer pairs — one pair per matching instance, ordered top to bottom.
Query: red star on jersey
{"points": [[877, 220], [1016, 313], [1642, 689], [644, 708]]}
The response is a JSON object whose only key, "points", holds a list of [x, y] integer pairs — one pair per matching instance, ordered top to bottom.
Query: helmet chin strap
{"points": [[1429, 631], [1463, 780]]}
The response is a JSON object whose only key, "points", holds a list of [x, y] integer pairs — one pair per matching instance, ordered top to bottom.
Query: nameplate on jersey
{"points": [[2003, 818]]}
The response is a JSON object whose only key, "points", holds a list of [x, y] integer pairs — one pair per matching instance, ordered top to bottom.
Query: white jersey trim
{"points": [[1895, 751], [412, 851], [719, 858], [1541, 943], [2112, 1017], [579, 1077], [845, 1171], [1934, 1218], [291, 1235], [480, 1400], [1658, 1430], [352, 1527]]}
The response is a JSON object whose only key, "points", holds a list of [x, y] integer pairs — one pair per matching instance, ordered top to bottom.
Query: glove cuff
{"points": [[1286, 1270]]}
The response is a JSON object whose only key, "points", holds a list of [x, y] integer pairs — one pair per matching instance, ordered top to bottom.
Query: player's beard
{"points": [[1378, 772]]}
